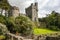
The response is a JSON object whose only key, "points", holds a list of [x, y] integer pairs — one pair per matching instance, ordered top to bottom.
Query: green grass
{"points": [[38, 31], [2, 37]]}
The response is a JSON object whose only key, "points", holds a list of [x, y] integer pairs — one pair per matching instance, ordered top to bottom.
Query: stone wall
{"points": [[14, 11], [32, 12], [55, 36], [15, 37], [52, 38]]}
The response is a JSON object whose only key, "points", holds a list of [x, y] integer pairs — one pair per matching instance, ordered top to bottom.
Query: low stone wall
{"points": [[49, 36], [55, 36], [15, 37], [52, 38]]}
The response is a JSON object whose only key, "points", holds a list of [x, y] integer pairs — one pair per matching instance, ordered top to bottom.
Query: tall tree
{"points": [[4, 5]]}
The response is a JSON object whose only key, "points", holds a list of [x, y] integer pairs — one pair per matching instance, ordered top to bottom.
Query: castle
{"points": [[14, 12], [31, 12]]}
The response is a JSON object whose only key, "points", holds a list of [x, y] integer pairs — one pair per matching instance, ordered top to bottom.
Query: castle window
{"points": [[34, 8], [35, 19]]}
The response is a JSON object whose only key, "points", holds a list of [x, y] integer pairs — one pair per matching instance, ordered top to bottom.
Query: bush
{"points": [[2, 19], [10, 23], [21, 24], [24, 25], [3, 29]]}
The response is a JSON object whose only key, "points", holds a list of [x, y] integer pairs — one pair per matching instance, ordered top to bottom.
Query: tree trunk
{"points": [[1, 11], [6, 13]]}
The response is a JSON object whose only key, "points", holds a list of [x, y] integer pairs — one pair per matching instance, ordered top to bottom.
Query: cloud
{"points": [[42, 3], [53, 3], [22, 4], [45, 6], [48, 7], [43, 13]]}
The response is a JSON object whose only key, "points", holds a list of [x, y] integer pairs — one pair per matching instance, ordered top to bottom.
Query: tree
{"points": [[4, 5], [2, 19], [52, 21], [10, 23], [21, 24], [24, 25], [3, 29]]}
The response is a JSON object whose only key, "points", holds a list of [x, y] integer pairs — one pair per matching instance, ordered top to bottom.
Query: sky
{"points": [[44, 6]]}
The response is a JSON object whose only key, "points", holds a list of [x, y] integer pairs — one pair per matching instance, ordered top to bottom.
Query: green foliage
{"points": [[4, 4], [2, 19], [52, 21], [10, 23], [21, 24], [24, 25], [3, 29], [39, 31], [1, 32], [2, 37]]}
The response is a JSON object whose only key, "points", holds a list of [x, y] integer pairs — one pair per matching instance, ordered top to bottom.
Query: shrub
{"points": [[24, 25]]}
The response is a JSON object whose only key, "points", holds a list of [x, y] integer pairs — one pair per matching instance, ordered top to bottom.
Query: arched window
{"points": [[35, 19]]}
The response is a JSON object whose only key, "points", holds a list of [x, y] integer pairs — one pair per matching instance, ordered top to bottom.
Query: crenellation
{"points": [[14, 11], [32, 12]]}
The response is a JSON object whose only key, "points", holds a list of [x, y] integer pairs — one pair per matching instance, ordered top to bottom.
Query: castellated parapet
{"points": [[14, 11], [32, 12]]}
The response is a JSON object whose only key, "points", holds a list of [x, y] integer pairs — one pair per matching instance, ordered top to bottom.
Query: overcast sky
{"points": [[44, 6]]}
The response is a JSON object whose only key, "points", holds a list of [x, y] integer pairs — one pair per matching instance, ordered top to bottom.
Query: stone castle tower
{"points": [[14, 12], [32, 12]]}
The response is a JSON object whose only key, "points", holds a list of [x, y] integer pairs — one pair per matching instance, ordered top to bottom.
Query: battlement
{"points": [[15, 8], [14, 11], [32, 12]]}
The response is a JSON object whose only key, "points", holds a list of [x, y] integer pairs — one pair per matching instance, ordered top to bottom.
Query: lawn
{"points": [[38, 31], [2, 37]]}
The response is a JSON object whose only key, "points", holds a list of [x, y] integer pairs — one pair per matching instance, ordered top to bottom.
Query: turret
{"points": [[31, 4], [36, 4], [14, 11], [32, 12]]}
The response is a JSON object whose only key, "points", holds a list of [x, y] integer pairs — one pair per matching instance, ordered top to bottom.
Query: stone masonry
{"points": [[14, 11], [32, 12], [52, 36]]}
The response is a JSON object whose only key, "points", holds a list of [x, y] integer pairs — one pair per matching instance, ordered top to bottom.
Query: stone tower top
{"points": [[36, 3], [15, 8], [14, 11], [32, 12]]}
